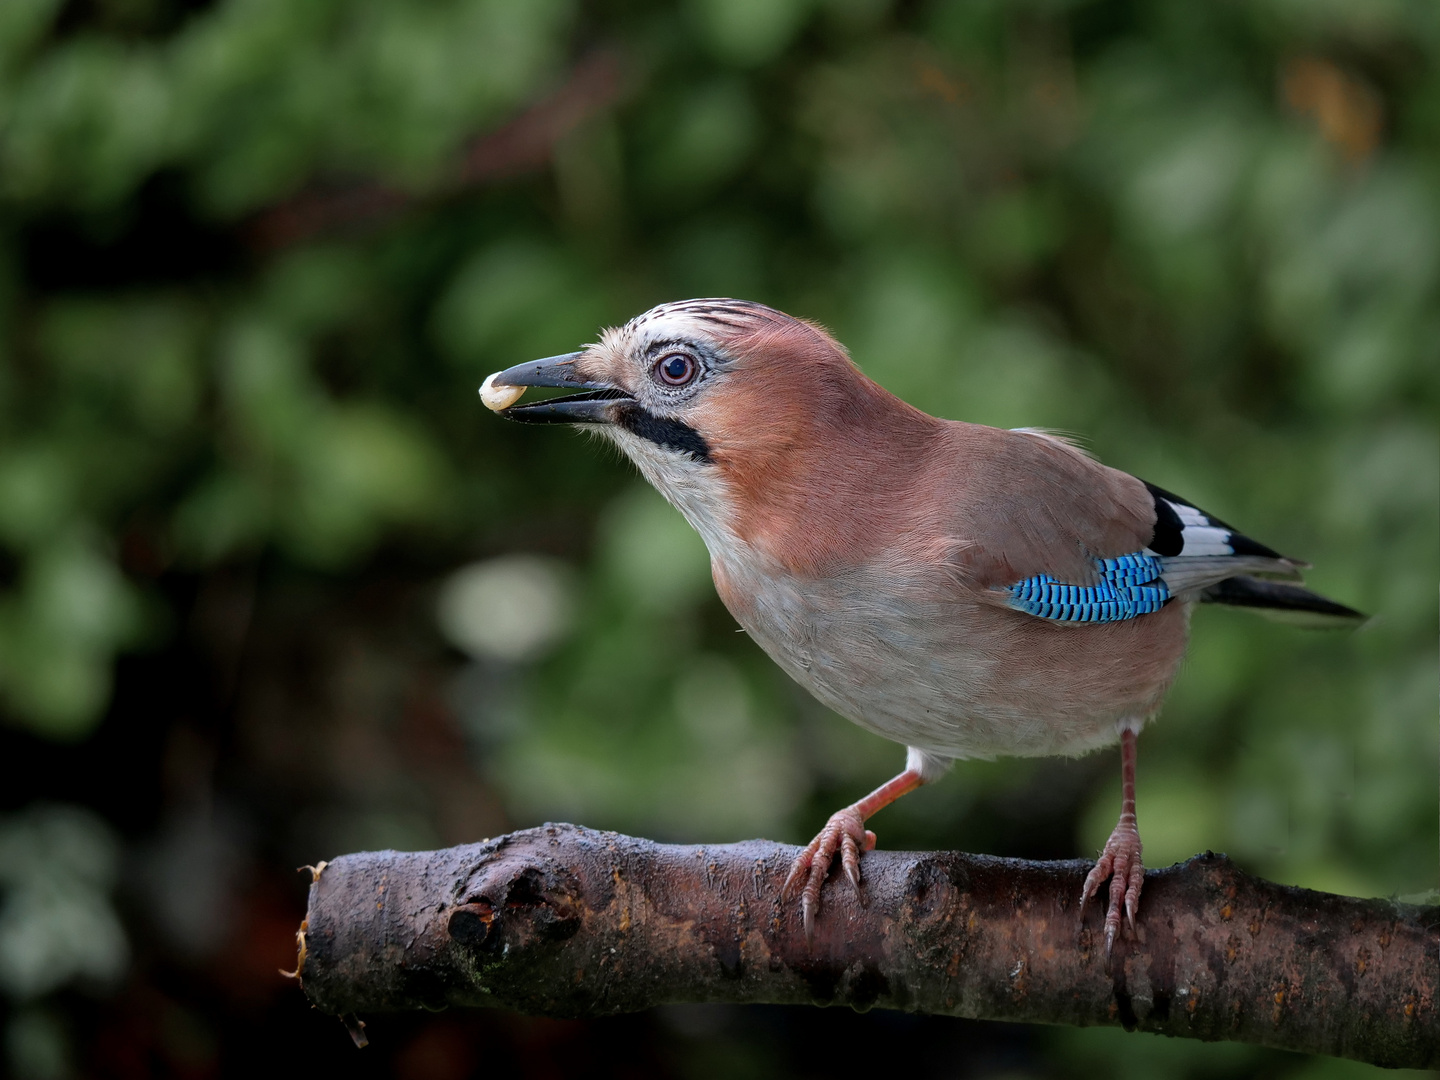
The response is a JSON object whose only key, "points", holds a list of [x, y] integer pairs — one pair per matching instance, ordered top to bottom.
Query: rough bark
{"points": [[566, 921]]}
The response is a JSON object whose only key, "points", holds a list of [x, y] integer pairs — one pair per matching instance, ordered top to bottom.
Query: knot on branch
{"points": [[514, 911]]}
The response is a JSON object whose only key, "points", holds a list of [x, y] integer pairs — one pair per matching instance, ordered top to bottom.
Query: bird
{"points": [[965, 591]]}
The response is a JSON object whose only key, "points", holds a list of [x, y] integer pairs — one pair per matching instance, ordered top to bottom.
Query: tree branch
{"points": [[523, 144], [566, 921]]}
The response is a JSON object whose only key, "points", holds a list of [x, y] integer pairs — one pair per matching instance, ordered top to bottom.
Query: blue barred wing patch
{"points": [[1128, 586]]}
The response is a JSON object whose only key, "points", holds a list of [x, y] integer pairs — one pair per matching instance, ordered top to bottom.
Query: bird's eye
{"points": [[677, 369]]}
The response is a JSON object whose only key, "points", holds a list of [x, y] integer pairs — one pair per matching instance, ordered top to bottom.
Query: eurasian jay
{"points": [[963, 590]]}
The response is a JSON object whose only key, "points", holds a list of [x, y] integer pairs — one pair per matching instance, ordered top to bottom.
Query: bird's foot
{"points": [[845, 832], [1120, 862]]}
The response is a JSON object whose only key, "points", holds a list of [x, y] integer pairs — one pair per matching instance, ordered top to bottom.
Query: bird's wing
{"points": [[1054, 533], [1196, 549]]}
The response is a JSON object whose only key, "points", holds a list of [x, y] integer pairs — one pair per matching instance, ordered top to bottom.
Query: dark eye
{"points": [[676, 369]]}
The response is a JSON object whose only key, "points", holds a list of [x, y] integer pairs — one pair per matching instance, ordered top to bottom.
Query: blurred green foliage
{"points": [[1204, 236]]}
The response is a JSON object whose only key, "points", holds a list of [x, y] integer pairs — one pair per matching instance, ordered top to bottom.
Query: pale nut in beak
{"points": [[497, 398]]}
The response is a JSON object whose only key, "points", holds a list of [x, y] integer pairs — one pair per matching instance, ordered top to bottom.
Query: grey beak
{"points": [[552, 371], [597, 407]]}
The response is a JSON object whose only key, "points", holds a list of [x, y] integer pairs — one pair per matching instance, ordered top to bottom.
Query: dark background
{"points": [[274, 586]]}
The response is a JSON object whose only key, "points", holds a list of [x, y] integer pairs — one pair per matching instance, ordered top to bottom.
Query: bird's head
{"points": [[724, 405]]}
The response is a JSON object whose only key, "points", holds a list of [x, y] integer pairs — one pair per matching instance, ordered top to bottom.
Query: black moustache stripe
{"points": [[662, 431]]}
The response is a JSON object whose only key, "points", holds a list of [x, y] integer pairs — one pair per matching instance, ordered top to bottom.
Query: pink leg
{"points": [[844, 832], [1120, 861]]}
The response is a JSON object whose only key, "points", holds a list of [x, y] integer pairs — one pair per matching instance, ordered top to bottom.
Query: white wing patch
{"points": [[1199, 534], [1197, 550]]}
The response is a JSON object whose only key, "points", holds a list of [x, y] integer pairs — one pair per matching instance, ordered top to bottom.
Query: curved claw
{"points": [[845, 834], [850, 860], [1121, 863], [798, 872]]}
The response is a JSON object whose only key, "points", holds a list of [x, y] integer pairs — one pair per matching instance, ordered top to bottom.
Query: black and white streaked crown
{"points": [[719, 311]]}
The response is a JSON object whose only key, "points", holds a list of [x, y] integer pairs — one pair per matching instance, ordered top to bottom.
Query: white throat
{"points": [[694, 488]]}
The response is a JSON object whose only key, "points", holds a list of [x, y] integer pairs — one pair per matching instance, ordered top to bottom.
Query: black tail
{"points": [[1276, 599]]}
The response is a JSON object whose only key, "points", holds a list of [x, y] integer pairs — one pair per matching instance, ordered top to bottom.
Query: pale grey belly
{"points": [[957, 678]]}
